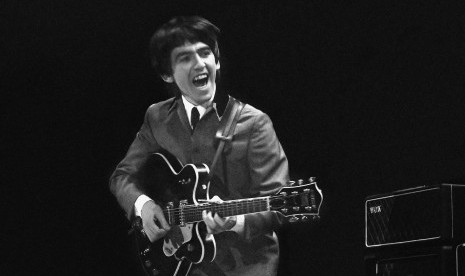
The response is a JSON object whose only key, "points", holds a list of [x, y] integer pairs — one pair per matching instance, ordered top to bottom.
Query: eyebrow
{"points": [[186, 52]]}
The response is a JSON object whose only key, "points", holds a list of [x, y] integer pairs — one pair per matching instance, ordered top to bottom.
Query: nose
{"points": [[199, 63]]}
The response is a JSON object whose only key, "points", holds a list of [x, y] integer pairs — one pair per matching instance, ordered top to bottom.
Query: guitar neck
{"points": [[193, 213]]}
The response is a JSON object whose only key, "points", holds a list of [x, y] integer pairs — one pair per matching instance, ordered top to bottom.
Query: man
{"points": [[186, 55]]}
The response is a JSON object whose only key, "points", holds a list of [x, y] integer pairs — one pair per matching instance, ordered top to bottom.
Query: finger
{"points": [[209, 219], [219, 220], [162, 221], [209, 222], [230, 222], [225, 223], [149, 225], [152, 231], [156, 234], [151, 235]]}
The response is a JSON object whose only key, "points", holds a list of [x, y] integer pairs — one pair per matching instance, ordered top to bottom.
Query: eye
{"points": [[205, 53], [184, 58]]}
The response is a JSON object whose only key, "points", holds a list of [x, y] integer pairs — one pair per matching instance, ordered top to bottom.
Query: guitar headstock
{"points": [[299, 201]]}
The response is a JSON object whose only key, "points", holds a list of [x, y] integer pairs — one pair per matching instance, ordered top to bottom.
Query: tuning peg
{"points": [[312, 179], [300, 182], [290, 183]]}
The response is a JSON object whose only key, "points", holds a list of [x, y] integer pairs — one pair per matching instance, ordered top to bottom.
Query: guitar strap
{"points": [[225, 130]]}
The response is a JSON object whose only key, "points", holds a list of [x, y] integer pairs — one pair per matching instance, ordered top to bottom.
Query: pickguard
{"points": [[177, 236]]}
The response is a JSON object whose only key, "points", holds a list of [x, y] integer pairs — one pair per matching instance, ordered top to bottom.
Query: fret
{"points": [[193, 213]]}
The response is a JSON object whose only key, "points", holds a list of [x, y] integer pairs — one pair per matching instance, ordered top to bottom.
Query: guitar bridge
{"points": [[182, 219]]}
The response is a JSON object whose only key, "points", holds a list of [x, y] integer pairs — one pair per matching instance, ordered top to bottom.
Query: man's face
{"points": [[194, 71]]}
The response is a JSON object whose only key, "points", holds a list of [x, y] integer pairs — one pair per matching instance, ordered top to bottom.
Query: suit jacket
{"points": [[252, 164]]}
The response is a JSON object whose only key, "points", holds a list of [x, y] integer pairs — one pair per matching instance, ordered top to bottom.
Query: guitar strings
{"points": [[227, 204], [200, 208], [193, 213]]}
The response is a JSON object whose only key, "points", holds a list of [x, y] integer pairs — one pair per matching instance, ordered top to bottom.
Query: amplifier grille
{"points": [[403, 218]]}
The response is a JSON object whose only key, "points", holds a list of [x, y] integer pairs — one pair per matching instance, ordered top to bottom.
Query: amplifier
{"points": [[421, 214], [417, 261]]}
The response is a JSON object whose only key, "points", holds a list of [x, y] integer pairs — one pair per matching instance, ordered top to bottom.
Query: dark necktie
{"points": [[195, 116]]}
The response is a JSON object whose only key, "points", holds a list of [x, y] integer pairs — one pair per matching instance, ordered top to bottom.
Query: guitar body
{"points": [[172, 185], [180, 190], [200, 247], [152, 258]]}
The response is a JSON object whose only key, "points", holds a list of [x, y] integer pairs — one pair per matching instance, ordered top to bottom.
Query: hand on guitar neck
{"points": [[153, 221], [215, 223], [156, 226]]}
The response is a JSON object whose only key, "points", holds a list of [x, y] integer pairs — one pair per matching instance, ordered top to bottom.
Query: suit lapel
{"points": [[181, 111], [178, 132]]}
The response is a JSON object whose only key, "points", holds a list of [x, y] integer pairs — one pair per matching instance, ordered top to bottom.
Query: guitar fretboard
{"points": [[193, 213]]}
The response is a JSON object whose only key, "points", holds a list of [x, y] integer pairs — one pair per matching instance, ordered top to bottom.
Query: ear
{"points": [[218, 65], [167, 78]]}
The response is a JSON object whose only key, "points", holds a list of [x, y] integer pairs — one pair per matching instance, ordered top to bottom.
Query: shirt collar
{"points": [[220, 100], [188, 106], [201, 108]]}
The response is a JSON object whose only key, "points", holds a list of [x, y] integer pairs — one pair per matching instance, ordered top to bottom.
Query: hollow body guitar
{"points": [[183, 191]]}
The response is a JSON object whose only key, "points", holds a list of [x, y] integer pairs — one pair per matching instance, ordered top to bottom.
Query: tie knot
{"points": [[195, 116]]}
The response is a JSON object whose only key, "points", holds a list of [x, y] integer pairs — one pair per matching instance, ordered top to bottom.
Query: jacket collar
{"points": [[221, 99]]}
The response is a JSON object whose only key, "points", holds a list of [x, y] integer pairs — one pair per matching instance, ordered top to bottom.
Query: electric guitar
{"points": [[183, 192]]}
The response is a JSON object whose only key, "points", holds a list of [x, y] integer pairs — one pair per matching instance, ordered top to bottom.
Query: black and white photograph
{"points": [[221, 138]]}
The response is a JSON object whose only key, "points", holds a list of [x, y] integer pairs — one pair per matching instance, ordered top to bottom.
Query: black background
{"points": [[365, 95]]}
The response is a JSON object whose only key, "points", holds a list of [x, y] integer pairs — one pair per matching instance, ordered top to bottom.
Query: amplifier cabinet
{"points": [[423, 214], [417, 261]]}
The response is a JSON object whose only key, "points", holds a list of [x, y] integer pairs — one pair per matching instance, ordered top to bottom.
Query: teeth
{"points": [[200, 77]]}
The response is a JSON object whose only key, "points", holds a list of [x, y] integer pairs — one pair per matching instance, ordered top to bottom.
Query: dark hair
{"points": [[177, 32]]}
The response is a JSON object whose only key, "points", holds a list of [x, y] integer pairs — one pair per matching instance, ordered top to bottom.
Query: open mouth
{"points": [[200, 80]]}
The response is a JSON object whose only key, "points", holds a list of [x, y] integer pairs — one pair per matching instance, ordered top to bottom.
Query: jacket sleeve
{"points": [[269, 172], [123, 182]]}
